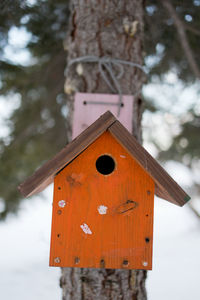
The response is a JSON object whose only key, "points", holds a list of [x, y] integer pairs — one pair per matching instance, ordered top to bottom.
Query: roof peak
{"points": [[166, 187]]}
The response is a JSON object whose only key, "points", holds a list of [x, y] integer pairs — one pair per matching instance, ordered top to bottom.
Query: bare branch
{"points": [[192, 29], [182, 37], [197, 214]]}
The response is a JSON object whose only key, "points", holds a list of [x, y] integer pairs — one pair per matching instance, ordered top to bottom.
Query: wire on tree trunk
{"points": [[106, 64]]}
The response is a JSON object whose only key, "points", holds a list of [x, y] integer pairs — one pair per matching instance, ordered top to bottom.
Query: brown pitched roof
{"points": [[165, 186]]}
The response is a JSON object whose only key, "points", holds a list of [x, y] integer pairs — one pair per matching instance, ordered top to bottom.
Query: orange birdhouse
{"points": [[104, 185]]}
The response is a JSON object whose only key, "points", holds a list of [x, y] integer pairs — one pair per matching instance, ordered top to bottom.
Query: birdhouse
{"points": [[104, 186]]}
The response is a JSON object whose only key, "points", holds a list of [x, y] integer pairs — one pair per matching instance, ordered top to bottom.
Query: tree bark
{"points": [[114, 29]]}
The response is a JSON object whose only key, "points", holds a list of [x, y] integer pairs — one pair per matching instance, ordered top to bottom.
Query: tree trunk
{"points": [[112, 28]]}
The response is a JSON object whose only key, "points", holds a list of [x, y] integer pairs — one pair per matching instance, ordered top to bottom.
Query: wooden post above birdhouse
{"points": [[104, 185]]}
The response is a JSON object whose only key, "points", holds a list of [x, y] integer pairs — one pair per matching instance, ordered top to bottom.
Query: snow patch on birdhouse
{"points": [[123, 156], [62, 203], [102, 209], [86, 228]]}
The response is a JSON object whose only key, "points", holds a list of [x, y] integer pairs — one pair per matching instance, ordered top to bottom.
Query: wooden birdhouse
{"points": [[104, 185]]}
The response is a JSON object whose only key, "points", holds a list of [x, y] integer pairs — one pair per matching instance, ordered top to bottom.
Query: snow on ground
{"points": [[176, 262], [24, 270], [25, 274]]}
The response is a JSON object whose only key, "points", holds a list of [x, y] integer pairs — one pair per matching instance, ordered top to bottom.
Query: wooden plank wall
{"points": [[103, 220]]}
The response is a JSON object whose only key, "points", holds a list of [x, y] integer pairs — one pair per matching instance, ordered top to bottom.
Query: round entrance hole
{"points": [[105, 164]]}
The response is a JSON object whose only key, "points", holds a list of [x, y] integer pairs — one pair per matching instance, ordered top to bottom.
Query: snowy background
{"points": [[25, 241]]}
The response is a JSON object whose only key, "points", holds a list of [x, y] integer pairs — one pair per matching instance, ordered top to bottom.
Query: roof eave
{"points": [[45, 175], [166, 187]]}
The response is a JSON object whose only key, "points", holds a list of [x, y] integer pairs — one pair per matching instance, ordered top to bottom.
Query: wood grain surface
{"points": [[103, 220]]}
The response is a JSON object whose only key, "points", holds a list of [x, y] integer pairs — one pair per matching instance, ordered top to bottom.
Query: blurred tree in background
{"points": [[35, 86], [38, 125]]}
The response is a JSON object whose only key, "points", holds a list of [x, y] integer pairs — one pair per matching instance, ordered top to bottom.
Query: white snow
{"points": [[62, 203], [102, 209], [86, 228], [24, 260], [176, 263]]}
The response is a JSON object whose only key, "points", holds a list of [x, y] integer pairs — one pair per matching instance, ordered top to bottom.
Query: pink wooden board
{"points": [[85, 113]]}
